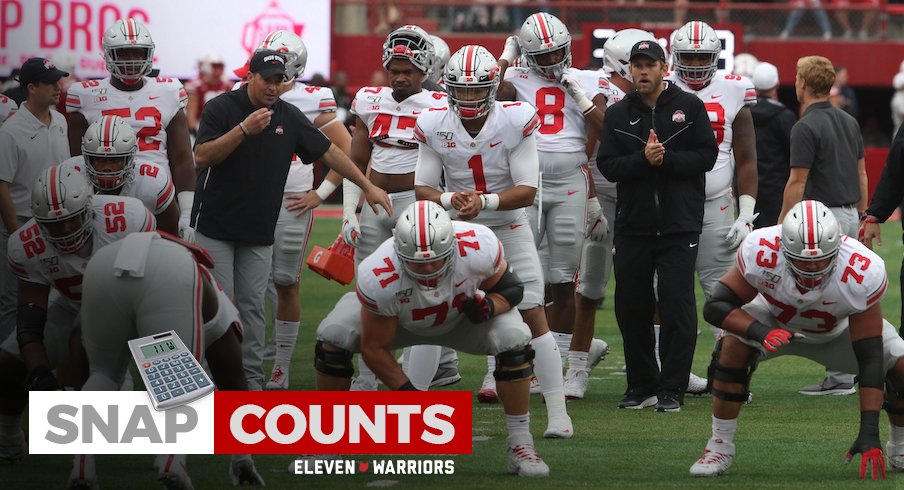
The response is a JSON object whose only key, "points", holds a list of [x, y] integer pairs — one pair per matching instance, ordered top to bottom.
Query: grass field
{"points": [[785, 440]]}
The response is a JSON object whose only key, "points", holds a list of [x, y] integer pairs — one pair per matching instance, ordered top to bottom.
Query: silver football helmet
{"points": [[544, 33], [124, 35], [693, 38], [409, 43], [292, 47], [617, 51], [441, 55], [744, 64], [472, 79], [110, 137], [61, 204], [810, 233], [424, 234]]}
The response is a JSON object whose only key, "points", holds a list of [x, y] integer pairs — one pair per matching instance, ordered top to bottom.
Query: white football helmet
{"points": [[544, 33], [127, 34], [695, 37], [409, 43], [292, 47], [617, 51], [441, 55], [744, 64], [472, 79], [110, 137], [61, 204], [810, 233], [424, 234]]}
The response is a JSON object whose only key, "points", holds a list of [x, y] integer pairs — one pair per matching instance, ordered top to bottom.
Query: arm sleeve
{"points": [[213, 122], [311, 143], [803, 146], [703, 151], [617, 163], [429, 167], [526, 168], [890, 190]]}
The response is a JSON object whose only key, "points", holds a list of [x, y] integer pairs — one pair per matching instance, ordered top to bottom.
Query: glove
{"points": [[512, 50], [569, 80], [186, 200], [597, 225], [351, 230], [739, 230], [479, 308], [770, 338], [41, 378], [867, 445]]}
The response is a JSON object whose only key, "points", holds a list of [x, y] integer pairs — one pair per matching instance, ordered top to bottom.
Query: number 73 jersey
{"points": [[857, 283], [384, 289]]}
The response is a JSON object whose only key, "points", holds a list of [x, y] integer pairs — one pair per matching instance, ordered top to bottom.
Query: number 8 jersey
{"points": [[857, 283]]}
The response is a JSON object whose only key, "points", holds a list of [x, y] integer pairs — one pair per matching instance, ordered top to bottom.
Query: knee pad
{"points": [[327, 362], [510, 365], [739, 376], [894, 398]]}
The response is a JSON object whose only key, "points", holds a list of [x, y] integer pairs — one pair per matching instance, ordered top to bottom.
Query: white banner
{"points": [[69, 32]]}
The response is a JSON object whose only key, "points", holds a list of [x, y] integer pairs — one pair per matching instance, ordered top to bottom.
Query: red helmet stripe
{"points": [[696, 27], [132, 28], [544, 28], [268, 40], [469, 60], [107, 132], [54, 188], [810, 223], [422, 225]]}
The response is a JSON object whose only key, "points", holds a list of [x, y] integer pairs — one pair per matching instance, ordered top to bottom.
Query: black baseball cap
{"points": [[650, 49], [267, 63], [36, 70]]}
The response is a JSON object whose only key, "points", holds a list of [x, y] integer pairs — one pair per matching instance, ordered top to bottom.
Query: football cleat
{"points": [[598, 351], [445, 377], [279, 379], [364, 383], [576, 383], [696, 385], [487, 393], [559, 427], [13, 448], [895, 456], [524, 460], [712, 463], [242, 471], [171, 472], [83, 475]]}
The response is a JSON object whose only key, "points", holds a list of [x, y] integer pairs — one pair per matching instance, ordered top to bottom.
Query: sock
{"points": [[286, 334], [563, 341], [656, 346], [577, 360], [491, 364], [548, 369], [364, 371], [10, 424], [518, 428], [895, 434], [723, 435]]}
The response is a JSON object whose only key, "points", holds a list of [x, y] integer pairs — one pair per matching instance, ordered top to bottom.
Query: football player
{"points": [[570, 104], [152, 106], [8, 107], [487, 152], [108, 160], [49, 253], [447, 283], [802, 288]]}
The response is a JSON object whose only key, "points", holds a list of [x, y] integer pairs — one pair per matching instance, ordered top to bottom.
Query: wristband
{"points": [[585, 105], [242, 127], [326, 188], [186, 200], [446, 200], [489, 201], [746, 205], [757, 332], [407, 387]]}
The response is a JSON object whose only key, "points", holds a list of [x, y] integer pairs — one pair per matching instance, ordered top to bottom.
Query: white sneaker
{"points": [[598, 351], [279, 379], [364, 383], [576, 383], [535, 385], [696, 385], [487, 393], [559, 427], [13, 448], [895, 456], [311, 457], [523, 460], [712, 463], [243, 471], [171, 472], [83, 475]]}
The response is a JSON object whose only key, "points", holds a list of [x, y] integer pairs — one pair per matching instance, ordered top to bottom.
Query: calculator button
{"points": [[184, 354], [164, 359], [156, 362], [147, 364], [189, 364], [177, 369], [150, 370], [194, 371], [166, 372], [153, 375], [182, 375], [169, 379], [186, 380], [202, 381], [156, 382], [173, 385], [190, 388], [160, 389], [178, 392], [162, 397]]}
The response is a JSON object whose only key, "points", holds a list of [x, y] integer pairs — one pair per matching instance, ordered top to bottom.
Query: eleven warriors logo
{"points": [[272, 19]]}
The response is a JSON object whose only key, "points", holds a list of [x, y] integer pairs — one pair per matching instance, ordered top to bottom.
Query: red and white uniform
{"points": [[206, 92], [312, 101], [8, 107], [148, 110], [150, 183], [857, 283]]}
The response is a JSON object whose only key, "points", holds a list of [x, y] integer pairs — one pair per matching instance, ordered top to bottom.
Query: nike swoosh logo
{"points": [[715, 96], [153, 97], [635, 122], [35, 136], [492, 145], [571, 193], [723, 208], [516, 226], [692, 245], [460, 283]]}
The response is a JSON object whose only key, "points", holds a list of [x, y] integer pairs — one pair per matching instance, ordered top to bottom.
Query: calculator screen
{"points": [[163, 347]]}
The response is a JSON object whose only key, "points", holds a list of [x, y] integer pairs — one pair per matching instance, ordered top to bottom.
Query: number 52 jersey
{"points": [[857, 283]]}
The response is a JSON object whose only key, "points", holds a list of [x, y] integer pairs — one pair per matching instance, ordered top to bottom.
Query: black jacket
{"points": [[772, 122], [890, 189], [668, 199]]}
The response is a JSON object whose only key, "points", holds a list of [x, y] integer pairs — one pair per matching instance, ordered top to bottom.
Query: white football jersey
{"points": [[613, 94], [723, 97], [312, 101], [8, 107], [148, 110], [390, 125], [562, 125], [480, 163], [150, 183], [33, 259], [858, 281], [385, 289]]}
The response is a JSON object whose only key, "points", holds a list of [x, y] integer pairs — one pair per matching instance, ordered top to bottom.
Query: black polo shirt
{"points": [[239, 199]]}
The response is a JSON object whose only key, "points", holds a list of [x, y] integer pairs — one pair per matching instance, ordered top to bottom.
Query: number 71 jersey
{"points": [[857, 283]]}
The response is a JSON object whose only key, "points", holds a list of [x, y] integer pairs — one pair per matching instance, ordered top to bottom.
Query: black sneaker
{"points": [[635, 401], [668, 403]]}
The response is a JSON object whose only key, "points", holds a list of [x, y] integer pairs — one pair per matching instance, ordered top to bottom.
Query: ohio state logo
{"points": [[274, 18], [643, 45], [678, 116]]}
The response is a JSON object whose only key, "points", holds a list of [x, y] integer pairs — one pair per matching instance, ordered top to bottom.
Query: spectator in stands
{"points": [[387, 16], [869, 17], [794, 18], [318, 80], [208, 85], [340, 90], [843, 96], [897, 103], [772, 122]]}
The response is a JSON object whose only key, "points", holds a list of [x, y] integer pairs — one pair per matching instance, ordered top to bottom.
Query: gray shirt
{"points": [[827, 141]]}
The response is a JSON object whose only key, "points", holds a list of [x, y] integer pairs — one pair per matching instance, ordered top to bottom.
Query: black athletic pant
{"points": [[672, 258]]}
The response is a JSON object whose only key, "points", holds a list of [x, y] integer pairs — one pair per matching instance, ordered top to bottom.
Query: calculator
{"points": [[172, 375]]}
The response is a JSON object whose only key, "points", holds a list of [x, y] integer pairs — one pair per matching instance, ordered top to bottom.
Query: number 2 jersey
{"points": [[148, 110], [150, 183], [33, 259], [857, 283], [384, 289]]}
